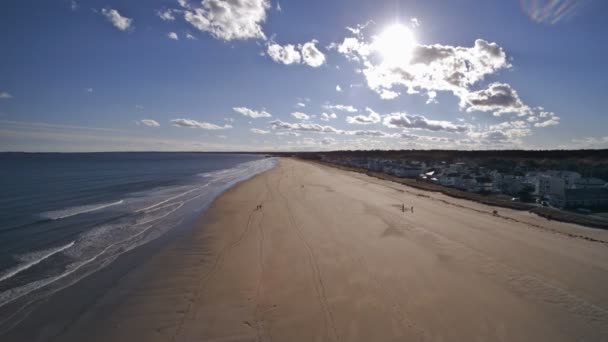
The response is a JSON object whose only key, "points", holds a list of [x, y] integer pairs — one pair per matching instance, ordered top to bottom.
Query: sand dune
{"points": [[330, 256]]}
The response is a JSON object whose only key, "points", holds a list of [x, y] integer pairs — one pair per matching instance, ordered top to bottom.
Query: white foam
{"points": [[73, 211], [33, 259]]}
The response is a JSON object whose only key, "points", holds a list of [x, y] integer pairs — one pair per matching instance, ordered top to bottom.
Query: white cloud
{"points": [[73, 5], [278, 8], [166, 15], [228, 19], [120, 22], [415, 22], [172, 35], [190, 36], [306, 53], [284, 54], [311, 55], [338, 88], [89, 90], [5, 95], [499, 98], [300, 104], [340, 107], [252, 113], [300, 116], [327, 117], [371, 118], [404, 120], [550, 120], [149, 123], [190, 123], [302, 127], [259, 131], [291, 134], [328, 141]]}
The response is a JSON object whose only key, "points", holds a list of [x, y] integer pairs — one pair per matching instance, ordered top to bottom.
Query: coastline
{"points": [[331, 256]]}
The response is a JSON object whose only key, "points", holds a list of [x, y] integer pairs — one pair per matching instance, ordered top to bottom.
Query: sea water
{"points": [[64, 216]]}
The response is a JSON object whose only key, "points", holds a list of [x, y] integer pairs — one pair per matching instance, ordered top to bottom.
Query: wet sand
{"points": [[330, 256]]}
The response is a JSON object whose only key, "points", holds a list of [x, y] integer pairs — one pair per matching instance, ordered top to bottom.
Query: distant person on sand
{"points": [[403, 207], [412, 208]]}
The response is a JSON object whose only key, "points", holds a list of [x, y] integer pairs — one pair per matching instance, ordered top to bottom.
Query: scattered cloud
{"points": [[73, 5], [278, 7], [552, 12], [166, 15], [228, 20], [120, 22], [415, 22], [172, 35], [190, 36], [306, 53], [286, 54], [311, 55], [338, 88], [89, 90], [5, 95], [499, 98], [300, 105], [349, 109], [252, 113], [300, 116], [327, 117], [371, 118], [549, 119], [404, 120], [149, 122], [190, 123], [302, 127], [259, 131], [290, 134], [328, 141]]}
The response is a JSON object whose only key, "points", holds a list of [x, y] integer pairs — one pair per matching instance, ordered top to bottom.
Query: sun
{"points": [[395, 44]]}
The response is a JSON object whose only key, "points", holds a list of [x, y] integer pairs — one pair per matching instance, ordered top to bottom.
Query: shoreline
{"points": [[330, 256]]}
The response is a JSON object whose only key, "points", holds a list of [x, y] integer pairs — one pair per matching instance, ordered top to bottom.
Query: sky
{"points": [[267, 75]]}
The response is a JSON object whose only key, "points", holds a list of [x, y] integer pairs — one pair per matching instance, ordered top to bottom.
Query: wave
{"points": [[69, 212], [37, 257]]}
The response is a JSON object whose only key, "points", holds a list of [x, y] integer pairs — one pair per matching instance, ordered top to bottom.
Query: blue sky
{"points": [[264, 75]]}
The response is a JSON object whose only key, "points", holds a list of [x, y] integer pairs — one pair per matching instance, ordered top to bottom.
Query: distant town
{"points": [[528, 180]]}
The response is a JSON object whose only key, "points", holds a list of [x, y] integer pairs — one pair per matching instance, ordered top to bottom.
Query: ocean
{"points": [[65, 216]]}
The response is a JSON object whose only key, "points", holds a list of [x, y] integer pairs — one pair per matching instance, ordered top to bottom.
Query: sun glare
{"points": [[395, 44]]}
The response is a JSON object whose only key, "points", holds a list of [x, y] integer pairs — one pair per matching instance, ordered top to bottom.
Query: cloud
{"points": [[73, 5], [278, 7], [552, 12], [166, 15], [228, 19], [120, 22], [172, 35], [190, 36], [306, 53], [284, 54], [311, 55], [338, 88], [89, 90], [5, 95], [499, 98], [300, 104], [340, 107], [252, 113], [300, 116], [327, 117], [371, 118], [404, 120], [550, 120], [149, 123], [190, 123], [302, 127], [259, 131], [372, 133], [291, 134], [328, 141]]}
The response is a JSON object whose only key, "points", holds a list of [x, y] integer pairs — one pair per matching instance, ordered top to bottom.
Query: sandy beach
{"points": [[331, 256]]}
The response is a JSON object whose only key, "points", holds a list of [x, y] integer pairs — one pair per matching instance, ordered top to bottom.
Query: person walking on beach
{"points": [[403, 207], [412, 208]]}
